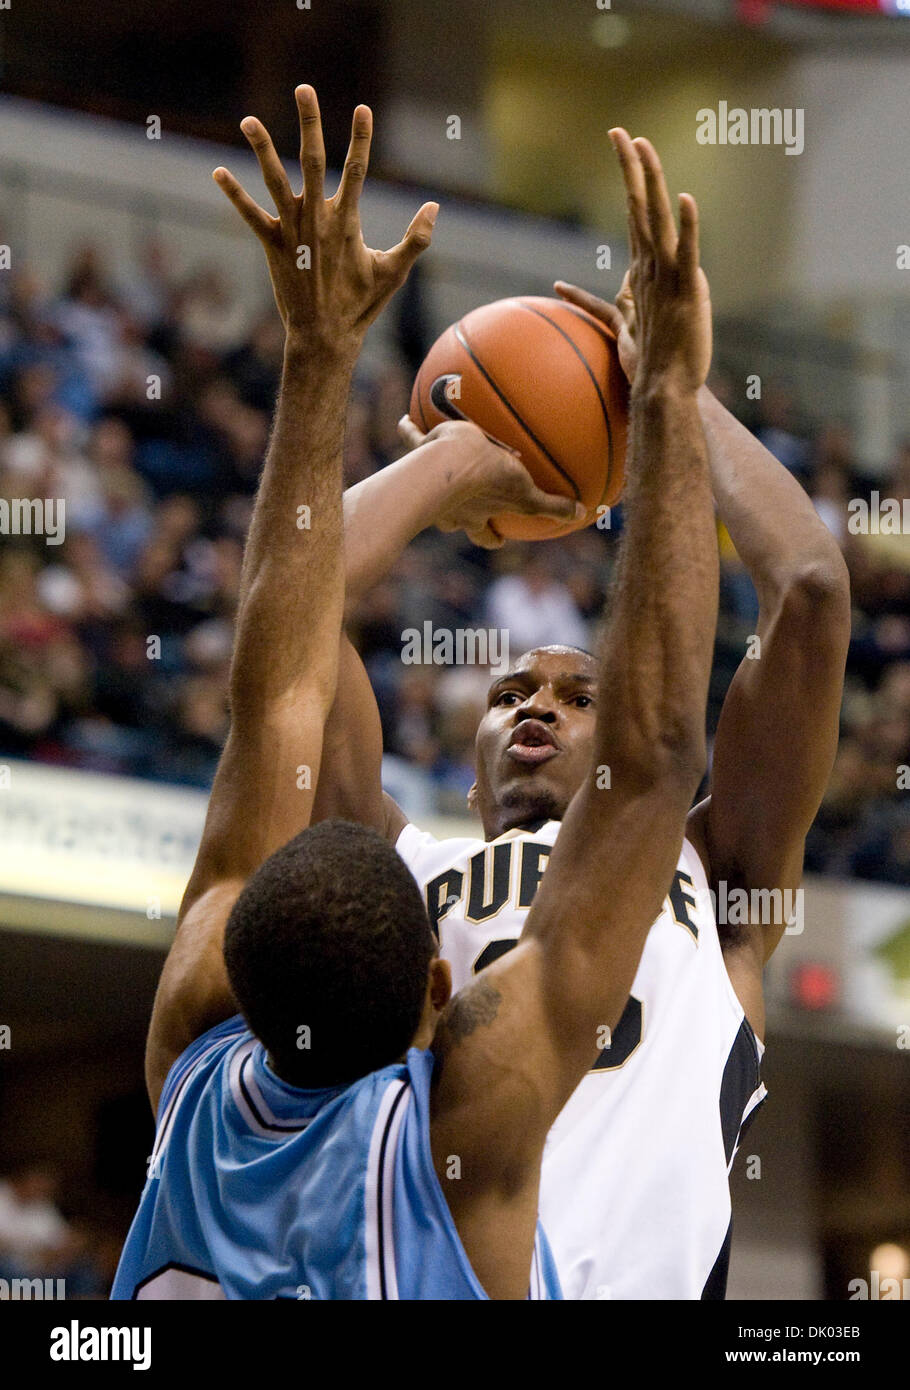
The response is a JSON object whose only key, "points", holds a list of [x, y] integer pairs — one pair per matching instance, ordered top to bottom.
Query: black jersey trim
{"points": [[741, 1079], [260, 1119], [380, 1184], [183, 1268], [716, 1283]]}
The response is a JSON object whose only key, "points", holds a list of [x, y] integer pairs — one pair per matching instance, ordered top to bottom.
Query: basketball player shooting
{"points": [[310, 1148], [635, 1185]]}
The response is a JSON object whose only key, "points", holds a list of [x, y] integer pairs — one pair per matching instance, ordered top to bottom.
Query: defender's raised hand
{"points": [[329, 286], [662, 314]]}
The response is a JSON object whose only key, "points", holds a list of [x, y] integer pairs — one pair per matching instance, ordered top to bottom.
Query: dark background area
{"points": [[200, 67]]}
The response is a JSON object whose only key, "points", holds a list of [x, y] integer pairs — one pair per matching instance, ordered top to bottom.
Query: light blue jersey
{"points": [[260, 1190]]}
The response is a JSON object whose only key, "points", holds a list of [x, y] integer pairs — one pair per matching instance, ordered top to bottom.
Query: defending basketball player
{"points": [[323, 1145], [635, 1188]]}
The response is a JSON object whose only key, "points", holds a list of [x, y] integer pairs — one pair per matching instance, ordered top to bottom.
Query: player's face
{"points": [[534, 743]]}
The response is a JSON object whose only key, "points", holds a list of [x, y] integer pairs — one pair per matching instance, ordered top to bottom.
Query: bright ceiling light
{"points": [[610, 30], [892, 1261]]}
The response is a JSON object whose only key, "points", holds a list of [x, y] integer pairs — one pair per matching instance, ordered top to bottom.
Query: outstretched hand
{"points": [[329, 286], [662, 315]]}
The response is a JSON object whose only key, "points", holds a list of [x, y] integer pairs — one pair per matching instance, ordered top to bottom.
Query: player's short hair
{"points": [[559, 647], [327, 950]]}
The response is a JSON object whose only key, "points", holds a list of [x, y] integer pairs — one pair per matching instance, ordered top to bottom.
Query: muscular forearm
{"points": [[457, 479], [384, 513], [776, 530], [295, 540], [656, 656], [285, 660]]}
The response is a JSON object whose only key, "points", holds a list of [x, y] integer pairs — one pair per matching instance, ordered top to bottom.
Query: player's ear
{"points": [[472, 798], [440, 983]]}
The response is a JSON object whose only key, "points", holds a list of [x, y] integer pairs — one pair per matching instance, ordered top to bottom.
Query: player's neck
{"points": [[529, 824]]}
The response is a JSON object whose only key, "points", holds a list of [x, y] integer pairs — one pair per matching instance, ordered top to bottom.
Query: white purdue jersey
{"points": [[634, 1195]]}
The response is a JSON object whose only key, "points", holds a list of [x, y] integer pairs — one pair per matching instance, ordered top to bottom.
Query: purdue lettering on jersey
{"points": [[491, 884], [634, 1189]]}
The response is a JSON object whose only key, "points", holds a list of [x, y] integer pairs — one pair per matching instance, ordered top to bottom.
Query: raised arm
{"points": [[455, 479], [284, 664], [777, 734], [514, 1045]]}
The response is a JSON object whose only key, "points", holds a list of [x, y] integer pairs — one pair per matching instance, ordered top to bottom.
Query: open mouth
{"points": [[532, 743]]}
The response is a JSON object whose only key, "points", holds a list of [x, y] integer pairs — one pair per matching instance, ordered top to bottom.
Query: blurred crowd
{"points": [[144, 400], [72, 1259]]}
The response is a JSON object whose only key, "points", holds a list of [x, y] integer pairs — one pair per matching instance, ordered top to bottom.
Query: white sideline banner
{"points": [[84, 838], [102, 841]]}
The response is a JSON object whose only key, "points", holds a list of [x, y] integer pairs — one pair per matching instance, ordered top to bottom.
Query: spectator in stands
{"points": [[150, 285], [88, 317], [211, 319], [254, 368], [140, 373], [33, 384], [392, 393], [779, 430], [246, 435], [834, 448], [359, 459], [47, 461], [830, 494], [124, 521], [170, 572], [81, 587], [533, 606], [44, 670], [131, 690], [197, 730], [414, 732], [453, 772], [33, 1233], [36, 1242]]}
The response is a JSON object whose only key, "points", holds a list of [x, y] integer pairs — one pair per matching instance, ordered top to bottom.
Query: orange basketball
{"points": [[543, 377]]}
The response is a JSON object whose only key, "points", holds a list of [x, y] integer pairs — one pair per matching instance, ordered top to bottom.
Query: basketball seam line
{"points": [[459, 334], [587, 366], [420, 398]]}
